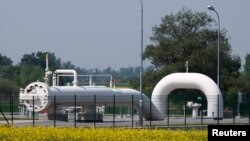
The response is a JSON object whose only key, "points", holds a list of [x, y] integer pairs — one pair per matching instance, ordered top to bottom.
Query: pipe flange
{"points": [[36, 94]]}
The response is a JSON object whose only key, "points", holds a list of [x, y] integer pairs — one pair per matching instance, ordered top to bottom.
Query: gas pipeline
{"points": [[40, 96]]}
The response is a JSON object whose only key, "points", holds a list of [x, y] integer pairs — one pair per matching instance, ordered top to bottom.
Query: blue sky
{"points": [[104, 33]]}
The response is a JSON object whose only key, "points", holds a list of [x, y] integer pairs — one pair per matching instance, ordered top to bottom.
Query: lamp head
{"points": [[210, 7]]}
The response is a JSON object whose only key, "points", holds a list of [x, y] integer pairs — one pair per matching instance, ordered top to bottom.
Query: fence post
{"points": [[10, 103], [12, 109], [249, 109], [94, 110], [132, 110], [168, 110], [218, 110], [33, 111], [54, 111], [75, 111], [114, 111], [150, 112], [185, 112], [141, 113], [234, 113], [201, 114], [233, 117]]}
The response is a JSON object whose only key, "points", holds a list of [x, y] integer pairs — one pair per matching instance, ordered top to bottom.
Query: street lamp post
{"points": [[218, 51], [141, 71]]}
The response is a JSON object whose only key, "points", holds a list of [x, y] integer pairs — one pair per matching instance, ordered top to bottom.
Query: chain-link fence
{"points": [[122, 111]]}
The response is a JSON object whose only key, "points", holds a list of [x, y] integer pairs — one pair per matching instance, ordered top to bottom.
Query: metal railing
{"points": [[114, 114]]}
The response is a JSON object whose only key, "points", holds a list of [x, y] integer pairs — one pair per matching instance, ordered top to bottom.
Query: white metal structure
{"points": [[188, 81], [39, 96], [44, 96], [195, 108]]}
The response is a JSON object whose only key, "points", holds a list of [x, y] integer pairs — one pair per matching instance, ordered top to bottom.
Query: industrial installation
{"points": [[40, 96]]}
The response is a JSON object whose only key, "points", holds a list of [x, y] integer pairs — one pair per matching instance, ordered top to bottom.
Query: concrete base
{"points": [[89, 117]]}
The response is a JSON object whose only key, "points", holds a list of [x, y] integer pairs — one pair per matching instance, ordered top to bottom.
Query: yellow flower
{"points": [[9, 133]]}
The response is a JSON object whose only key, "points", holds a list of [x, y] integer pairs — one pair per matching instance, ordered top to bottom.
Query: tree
{"points": [[188, 36], [30, 59], [38, 59], [5, 61], [67, 65], [32, 67], [247, 67], [7, 70], [108, 70], [8, 74], [30, 74], [244, 80], [6, 86]]}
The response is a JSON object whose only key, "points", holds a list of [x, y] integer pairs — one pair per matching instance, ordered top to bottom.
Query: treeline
{"points": [[31, 68]]}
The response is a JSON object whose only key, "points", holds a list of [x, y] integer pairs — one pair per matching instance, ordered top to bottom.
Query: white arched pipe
{"points": [[62, 71], [189, 81]]}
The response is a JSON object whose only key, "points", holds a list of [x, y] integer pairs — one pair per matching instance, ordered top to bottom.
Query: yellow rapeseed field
{"points": [[9, 133]]}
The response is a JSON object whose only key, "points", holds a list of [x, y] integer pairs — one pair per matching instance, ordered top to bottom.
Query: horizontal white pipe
{"points": [[64, 71], [65, 96]]}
